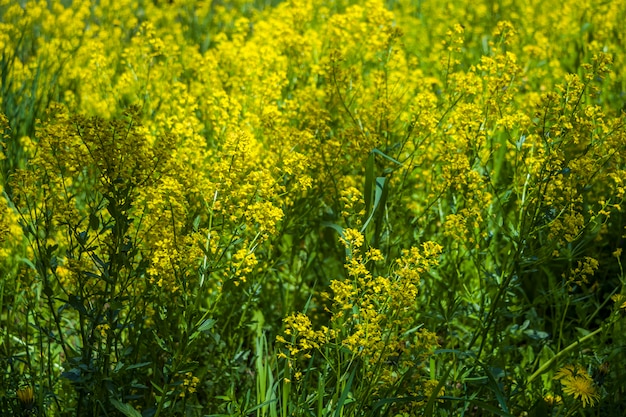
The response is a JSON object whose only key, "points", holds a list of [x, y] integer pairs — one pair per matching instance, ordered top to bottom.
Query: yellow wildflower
{"points": [[577, 383]]}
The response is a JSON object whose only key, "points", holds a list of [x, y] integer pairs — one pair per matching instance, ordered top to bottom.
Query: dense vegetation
{"points": [[312, 208]]}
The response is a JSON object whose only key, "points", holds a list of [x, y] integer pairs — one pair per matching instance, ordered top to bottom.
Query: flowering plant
{"points": [[357, 208]]}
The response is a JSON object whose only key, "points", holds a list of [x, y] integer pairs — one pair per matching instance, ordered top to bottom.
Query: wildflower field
{"points": [[315, 208]]}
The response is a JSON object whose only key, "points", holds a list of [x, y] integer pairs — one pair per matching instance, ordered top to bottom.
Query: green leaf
{"points": [[384, 155], [369, 181], [380, 191], [380, 212], [94, 221], [196, 223], [335, 226], [207, 325], [412, 330], [582, 332], [536, 334], [160, 341], [138, 365], [118, 367], [495, 387], [158, 388], [344, 394], [430, 404], [125, 409]]}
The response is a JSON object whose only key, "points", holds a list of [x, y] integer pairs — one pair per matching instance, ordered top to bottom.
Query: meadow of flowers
{"points": [[312, 208]]}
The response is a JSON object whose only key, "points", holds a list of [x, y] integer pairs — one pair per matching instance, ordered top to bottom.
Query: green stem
{"points": [[552, 360]]}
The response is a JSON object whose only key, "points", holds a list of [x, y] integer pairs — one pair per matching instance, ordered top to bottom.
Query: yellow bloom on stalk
{"points": [[352, 238], [581, 273], [621, 300], [103, 329], [305, 339], [190, 383], [577, 383], [430, 386], [26, 395], [551, 399]]}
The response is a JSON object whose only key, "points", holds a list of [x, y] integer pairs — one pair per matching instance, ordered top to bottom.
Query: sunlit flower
{"points": [[620, 300], [577, 383], [581, 388], [26, 395], [552, 399]]}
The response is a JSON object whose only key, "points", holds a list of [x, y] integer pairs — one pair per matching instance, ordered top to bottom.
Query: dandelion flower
{"points": [[577, 383], [581, 387], [26, 395]]}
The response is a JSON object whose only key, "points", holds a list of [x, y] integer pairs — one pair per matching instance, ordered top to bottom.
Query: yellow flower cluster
{"points": [[352, 203], [10, 230], [243, 263], [584, 269], [620, 301], [373, 316], [299, 329], [103, 330], [190, 384]]}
